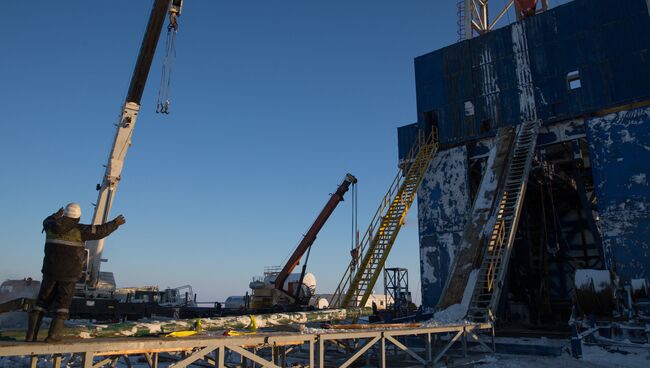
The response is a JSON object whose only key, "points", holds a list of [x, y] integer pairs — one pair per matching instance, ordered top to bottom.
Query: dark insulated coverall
{"points": [[64, 256], [63, 261]]}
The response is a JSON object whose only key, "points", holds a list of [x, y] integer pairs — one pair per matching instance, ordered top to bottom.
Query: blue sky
{"points": [[272, 103]]}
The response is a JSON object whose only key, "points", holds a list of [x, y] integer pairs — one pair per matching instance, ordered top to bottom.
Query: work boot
{"points": [[34, 319], [54, 334]]}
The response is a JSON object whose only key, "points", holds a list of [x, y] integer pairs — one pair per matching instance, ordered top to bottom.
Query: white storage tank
{"points": [[235, 302]]}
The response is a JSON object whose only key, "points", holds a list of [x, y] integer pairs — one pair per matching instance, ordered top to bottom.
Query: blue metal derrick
{"points": [[472, 88]]}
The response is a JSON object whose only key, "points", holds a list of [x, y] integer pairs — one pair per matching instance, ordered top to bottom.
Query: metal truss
{"points": [[474, 16], [264, 349]]}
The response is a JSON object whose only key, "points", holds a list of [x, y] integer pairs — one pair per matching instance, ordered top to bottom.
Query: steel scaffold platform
{"points": [[264, 349]]}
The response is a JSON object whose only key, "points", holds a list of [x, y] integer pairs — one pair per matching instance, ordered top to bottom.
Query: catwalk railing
{"points": [[321, 348]]}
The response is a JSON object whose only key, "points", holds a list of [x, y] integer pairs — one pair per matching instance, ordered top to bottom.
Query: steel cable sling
{"points": [[164, 92]]}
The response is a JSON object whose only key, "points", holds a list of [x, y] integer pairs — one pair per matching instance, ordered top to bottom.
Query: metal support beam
{"points": [[476, 19], [476, 338], [464, 343], [406, 349], [444, 350], [185, 352], [311, 352], [321, 352], [359, 352], [382, 353], [194, 357], [221, 357], [255, 358], [87, 359], [152, 359], [56, 361], [127, 361]]}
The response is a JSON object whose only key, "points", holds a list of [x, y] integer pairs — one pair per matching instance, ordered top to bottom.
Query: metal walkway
{"points": [[494, 265], [356, 285], [323, 349]]}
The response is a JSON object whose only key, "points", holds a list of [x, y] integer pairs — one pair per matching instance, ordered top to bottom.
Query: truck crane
{"points": [[94, 282], [271, 292], [96, 295]]}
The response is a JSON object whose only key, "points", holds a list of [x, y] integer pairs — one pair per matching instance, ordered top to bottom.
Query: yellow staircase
{"points": [[370, 256], [494, 265]]}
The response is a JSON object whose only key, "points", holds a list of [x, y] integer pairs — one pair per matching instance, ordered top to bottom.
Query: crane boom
{"points": [[122, 140], [313, 231]]}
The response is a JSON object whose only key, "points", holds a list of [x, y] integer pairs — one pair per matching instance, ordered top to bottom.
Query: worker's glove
{"points": [[59, 213], [120, 220]]}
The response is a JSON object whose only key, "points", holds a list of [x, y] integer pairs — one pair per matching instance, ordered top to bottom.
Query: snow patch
{"points": [[489, 86], [527, 108], [626, 137], [639, 179], [600, 279], [639, 284], [457, 312], [85, 335]]}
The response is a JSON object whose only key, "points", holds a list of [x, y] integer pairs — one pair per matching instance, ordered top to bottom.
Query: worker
{"points": [[62, 266]]}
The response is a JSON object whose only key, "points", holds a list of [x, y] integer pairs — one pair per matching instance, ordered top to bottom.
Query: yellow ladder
{"points": [[363, 271]]}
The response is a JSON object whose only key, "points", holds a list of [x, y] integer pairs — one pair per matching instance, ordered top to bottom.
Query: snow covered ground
{"points": [[594, 357]]}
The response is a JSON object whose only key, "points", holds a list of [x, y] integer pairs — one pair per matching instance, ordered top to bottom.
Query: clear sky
{"points": [[272, 103]]}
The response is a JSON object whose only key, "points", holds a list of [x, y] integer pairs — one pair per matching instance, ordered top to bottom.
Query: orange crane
{"points": [[271, 293]]}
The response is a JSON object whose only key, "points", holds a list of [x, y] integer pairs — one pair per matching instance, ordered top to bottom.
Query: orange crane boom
{"points": [[310, 236]]}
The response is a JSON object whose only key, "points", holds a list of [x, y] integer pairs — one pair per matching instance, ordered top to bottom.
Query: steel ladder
{"points": [[506, 212], [359, 279]]}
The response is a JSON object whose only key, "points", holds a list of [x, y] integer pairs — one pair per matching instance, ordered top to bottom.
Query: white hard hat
{"points": [[72, 210]]}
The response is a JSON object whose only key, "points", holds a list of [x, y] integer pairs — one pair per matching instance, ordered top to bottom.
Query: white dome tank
{"points": [[309, 280]]}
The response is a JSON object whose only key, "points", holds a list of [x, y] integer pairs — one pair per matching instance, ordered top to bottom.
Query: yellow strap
{"points": [[253, 323], [197, 328], [238, 333], [181, 334]]}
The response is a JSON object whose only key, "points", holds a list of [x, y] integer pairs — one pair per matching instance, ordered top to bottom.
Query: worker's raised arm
{"points": [[52, 222], [95, 232]]}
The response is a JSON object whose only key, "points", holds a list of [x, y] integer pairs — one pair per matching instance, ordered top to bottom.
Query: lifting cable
{"points": [[164, 92], [302, 274]]}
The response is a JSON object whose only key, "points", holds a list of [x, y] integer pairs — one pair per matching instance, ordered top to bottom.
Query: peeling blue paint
{"points": [[520, 71], [619, 146], [443, 207]]}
